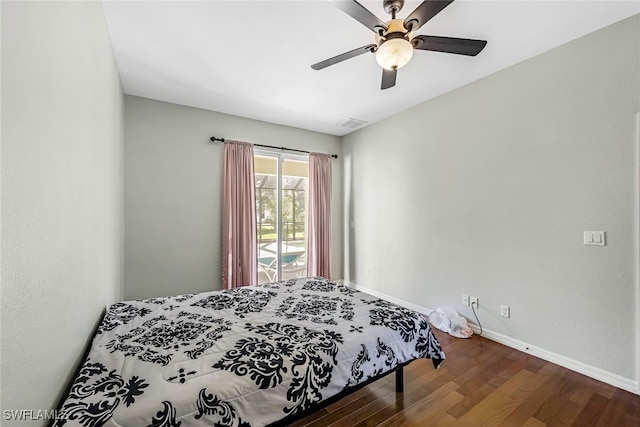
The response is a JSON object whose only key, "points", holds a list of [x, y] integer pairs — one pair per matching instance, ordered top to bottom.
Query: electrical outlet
{"points": [[465, 299], [473, 301], [505, 311]]}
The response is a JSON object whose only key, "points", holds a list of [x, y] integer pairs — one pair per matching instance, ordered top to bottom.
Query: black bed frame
{"points": [[399, 370]]}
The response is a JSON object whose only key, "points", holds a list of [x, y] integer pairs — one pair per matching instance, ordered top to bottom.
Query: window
{"points": [[281, 183]]}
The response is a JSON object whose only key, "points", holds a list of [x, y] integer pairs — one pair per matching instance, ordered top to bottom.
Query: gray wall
{"points": [[173, 184], [487, 190], [62, 191], [484, 191]]}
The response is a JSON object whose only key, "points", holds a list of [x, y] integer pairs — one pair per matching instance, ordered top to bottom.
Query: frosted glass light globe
{"points": [[394, 53]]}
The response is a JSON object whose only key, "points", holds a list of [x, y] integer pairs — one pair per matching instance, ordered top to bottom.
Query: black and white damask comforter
{"points": [[244, 357]]}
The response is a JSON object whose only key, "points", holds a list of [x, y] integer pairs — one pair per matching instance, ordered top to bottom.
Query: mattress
{"points": [[244, 357]]}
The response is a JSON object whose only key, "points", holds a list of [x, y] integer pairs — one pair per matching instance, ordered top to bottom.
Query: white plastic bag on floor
{"points": [[451, 322]]}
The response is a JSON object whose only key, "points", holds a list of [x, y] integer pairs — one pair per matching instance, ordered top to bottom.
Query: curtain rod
{"points": [[214, 139]]}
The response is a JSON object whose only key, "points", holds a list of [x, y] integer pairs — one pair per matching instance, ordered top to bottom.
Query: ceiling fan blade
{"points": [[423, 13], [360, 14], [458, 46], [343, 56], [388, 78]]}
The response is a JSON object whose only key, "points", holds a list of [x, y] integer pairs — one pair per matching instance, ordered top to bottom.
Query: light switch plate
{"points": [[594, 238], [505, 311]]}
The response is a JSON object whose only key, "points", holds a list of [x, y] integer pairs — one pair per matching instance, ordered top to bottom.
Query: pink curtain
{"points": [[318, 228], [239, 242]]}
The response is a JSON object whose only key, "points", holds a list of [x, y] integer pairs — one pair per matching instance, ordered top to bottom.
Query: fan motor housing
{"points": [[395, 29]]}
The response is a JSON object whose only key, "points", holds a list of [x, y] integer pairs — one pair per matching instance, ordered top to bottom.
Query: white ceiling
{"points": [[252, 58]]}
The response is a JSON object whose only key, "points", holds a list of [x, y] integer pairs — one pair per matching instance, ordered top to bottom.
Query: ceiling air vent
{"points": [[352, 123]]}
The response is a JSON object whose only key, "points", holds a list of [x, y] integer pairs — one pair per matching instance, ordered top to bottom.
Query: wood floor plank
{"points": [[520, 363], [479, 374], [384, 383], [483, 383], [599, 387], [414, 392], [581, 395], [559, 396], [372, 397], [470, 401], [630, 401], [533, 402], [390, 404], [498, 405], [374, 412], [592, 412], [431, 413], [567, 414], [614, 414], [410, 415], [445, 420], [630, 421], [532, 422]]}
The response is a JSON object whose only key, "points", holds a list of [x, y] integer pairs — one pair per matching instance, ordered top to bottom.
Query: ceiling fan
{"points": [[395, 41]]}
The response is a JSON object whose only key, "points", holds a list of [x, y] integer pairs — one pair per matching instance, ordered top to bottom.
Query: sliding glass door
{"points": [[281, 183]]}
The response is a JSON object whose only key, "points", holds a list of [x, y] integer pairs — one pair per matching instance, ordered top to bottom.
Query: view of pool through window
{"points": [[281, 182]]}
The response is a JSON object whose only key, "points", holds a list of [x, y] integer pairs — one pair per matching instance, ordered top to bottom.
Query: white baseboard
{"points": [[566, 362], [575, 365]]}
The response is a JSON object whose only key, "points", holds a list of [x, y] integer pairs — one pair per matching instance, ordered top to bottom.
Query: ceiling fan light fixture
{"points": [[394, 53]]}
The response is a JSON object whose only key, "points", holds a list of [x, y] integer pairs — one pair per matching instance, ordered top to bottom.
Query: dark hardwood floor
{"points": [[483, 383]]}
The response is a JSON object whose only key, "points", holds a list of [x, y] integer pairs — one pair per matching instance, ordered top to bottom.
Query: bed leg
{"points": [[400, 380]]}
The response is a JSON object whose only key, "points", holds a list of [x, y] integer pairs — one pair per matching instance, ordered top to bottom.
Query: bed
{"points": [[253, 356]]}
